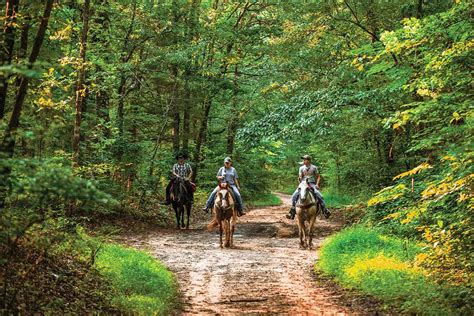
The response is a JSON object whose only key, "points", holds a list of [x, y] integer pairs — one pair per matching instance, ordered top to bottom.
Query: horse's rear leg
{"points": [[176, 212], [232, 230], [310, 230], [220, 232]]}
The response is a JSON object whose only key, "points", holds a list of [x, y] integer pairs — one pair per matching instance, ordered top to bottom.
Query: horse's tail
{"points": [[213, 224]]}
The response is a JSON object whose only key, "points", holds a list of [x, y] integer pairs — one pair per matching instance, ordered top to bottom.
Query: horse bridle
{"points": [[219, 203], [305, 206]]}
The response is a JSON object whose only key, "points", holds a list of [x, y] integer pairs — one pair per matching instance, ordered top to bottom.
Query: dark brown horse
{"points": [[181, 200]]}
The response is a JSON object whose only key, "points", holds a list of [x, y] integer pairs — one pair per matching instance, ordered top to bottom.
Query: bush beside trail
{"points": [[385, 267]]}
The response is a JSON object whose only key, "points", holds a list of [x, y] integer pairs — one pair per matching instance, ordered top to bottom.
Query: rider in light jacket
{"points": [[308, 172], [228, 174]]}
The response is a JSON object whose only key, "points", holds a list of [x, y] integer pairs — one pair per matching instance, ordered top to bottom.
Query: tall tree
{"points": [[81, 89]]}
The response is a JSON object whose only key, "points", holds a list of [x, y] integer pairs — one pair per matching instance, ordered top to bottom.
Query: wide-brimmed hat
{"points": [[181, 155], [306, 157], [227, 159]]}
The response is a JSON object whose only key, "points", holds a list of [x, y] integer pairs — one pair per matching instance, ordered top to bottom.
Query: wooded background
{"points": [[97, 96]]}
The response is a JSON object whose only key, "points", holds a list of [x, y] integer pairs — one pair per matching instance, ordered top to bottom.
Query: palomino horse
{"points": [[181, 199], [307, 209], [225, 214]]}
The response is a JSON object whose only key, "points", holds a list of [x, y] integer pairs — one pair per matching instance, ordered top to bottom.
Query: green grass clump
{"points": [[267, 199], [382, 267], [143, 283]]}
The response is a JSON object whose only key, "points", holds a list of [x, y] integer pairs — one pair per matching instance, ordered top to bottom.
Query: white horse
{"points": [[307, 209]]}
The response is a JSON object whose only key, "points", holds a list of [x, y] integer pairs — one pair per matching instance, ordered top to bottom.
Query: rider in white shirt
{"points": [[308, 172]]}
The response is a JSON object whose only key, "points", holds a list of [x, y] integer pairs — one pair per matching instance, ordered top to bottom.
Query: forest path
{"points": [[264, 273]]}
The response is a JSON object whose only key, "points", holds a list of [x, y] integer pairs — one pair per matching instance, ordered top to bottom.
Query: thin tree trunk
{"points": [[6, 53], [81, 89], [201, 136], [7, 146]]}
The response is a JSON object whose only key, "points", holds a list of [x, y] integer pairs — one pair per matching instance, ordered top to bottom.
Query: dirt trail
{"points": [[264, 273]]}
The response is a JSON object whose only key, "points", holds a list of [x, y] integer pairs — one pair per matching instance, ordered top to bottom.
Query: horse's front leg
{"points": [[188, 211], [181, 212], [301, 232]]}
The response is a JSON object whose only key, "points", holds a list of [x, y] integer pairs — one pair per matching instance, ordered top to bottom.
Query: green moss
{"points": [[144, 284]]}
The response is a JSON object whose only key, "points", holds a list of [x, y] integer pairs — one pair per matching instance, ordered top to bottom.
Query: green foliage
{"points": [[262, 200], [384, 267], [144, 284]]}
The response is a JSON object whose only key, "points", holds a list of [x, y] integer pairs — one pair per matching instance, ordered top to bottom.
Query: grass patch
{"points": [[267, 199], [383, 267], [145, 286]]}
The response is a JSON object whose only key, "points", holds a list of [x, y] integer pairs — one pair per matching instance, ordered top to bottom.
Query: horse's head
{"points": [[178, 185], [303, 188], [223, 197]]}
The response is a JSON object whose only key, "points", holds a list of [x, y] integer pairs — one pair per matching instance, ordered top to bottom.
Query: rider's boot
{"points": [[205, 209], [240, 213], [292, 213], [326, 213]]}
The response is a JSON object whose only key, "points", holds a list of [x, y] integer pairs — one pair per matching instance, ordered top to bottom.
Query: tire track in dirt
{"points": [[265, 273]]}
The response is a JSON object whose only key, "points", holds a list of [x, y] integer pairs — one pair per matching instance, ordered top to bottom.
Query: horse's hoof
{"points": [[301, 246]]}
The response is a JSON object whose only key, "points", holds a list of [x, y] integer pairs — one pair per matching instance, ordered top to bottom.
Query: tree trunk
{"points": [[419, 9], [6, 53], [123, 79], [81, 89], [121, 102], [186, 114], [234, 117], [176, 123], [201, 136], [7, 146]]}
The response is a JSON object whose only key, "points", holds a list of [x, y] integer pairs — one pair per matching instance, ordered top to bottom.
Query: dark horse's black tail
{"points": [[182, 199]]}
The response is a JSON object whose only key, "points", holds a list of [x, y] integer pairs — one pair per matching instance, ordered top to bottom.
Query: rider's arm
{"points": [[173, 171], [190, 173], [219, 174], [318, 178], [237, 182]]}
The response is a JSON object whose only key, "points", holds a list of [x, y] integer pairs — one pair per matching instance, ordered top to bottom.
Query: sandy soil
{"points": [[265, 273]]}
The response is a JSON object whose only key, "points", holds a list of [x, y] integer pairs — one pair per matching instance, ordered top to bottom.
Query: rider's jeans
{"points": [[296, 194], [238, 198]]}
